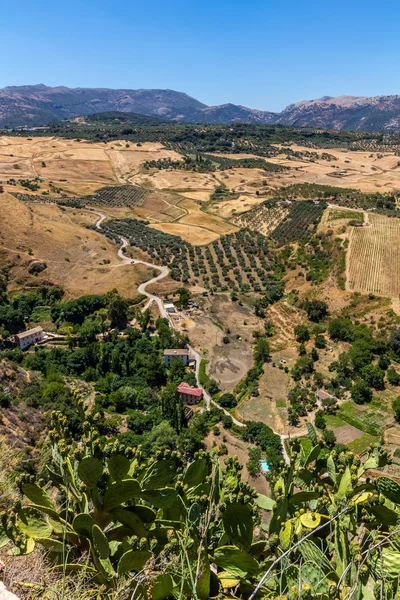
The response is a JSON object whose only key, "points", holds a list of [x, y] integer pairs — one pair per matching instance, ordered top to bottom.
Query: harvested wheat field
{"points": [[76, 167], [180, 181], [226, 209], [195, 216], [197, 236], [373, 261]]}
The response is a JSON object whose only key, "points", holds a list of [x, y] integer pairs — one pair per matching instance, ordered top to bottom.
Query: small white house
{"points": [[169, 307], [27, 338]]}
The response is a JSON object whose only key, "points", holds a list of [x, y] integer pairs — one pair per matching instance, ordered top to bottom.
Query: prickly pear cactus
{"points": [[389, 488]]}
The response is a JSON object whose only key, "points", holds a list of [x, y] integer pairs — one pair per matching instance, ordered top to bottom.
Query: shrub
{"points": [[393, 377], [361, 392], [227, 400]]}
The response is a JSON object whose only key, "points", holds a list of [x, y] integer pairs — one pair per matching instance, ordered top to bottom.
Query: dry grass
{"points": [[226, 209], [195, 216], [197, 236], [73, 254], [228, 363]]}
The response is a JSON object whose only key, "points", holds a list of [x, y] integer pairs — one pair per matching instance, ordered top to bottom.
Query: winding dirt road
{"points": [[164, 271]]}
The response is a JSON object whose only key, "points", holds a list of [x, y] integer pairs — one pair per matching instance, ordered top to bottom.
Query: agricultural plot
{"points": [[205, 163], [246, 163], [110, 196], [339, 215], [263, 219], [301, 220], [374, 257], [240, 261], [368, 419]]}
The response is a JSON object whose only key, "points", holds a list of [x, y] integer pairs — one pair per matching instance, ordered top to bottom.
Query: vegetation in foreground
{"points": [[168, 528]]}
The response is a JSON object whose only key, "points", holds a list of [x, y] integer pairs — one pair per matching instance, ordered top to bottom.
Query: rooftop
{"points": [[25, 334], [176, 352], [185, 388], [323, 395]]}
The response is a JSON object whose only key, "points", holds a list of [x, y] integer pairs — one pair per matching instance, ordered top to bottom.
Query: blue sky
{"points": [[260, 54]]}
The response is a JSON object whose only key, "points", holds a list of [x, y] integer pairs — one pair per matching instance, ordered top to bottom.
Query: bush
{"points": [[316, 310], [341, 329], [302, 333], [320, 342], [393, 377], [361, 392], [227, 400], [396, 408], [320, 420], [227, 421], [329, 438], [253, 464]]}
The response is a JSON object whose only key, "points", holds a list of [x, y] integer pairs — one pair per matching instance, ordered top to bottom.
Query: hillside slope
{"points": [[38, 105], [379, 113]]}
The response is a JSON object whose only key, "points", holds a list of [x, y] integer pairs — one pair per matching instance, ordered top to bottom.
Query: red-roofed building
{"points": [[189, 393]]}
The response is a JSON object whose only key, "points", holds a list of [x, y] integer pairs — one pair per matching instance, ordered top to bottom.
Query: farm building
{"points": [[170, 307], [27, 338], [170, 354], [189, 393], [323, 395]]}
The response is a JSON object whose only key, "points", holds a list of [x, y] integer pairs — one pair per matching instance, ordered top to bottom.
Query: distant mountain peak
{"points": [[39, 104]]}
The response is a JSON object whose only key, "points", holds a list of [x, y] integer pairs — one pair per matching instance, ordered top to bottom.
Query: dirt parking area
{"points": [[218, 321]]}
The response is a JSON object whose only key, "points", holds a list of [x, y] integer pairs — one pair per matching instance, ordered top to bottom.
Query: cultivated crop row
{"points": [[121, 195], [264, 218], [300, 221], [374, 257], [241, 261]]}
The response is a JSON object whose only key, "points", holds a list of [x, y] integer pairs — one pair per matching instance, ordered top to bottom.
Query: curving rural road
{"points": [[164, 271]]}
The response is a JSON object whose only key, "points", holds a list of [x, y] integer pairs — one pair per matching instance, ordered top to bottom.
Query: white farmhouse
{"points": [[27, 338], [170, 354]]}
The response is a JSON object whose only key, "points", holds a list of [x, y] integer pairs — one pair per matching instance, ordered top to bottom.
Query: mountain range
{"points": [[37, 105]]}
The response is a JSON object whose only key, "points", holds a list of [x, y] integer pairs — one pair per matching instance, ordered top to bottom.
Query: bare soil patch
{"points": [[197, 236], [347, 433]]}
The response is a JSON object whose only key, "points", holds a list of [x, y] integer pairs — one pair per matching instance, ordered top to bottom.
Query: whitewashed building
{"points": [[27, 338], [170, 354]]}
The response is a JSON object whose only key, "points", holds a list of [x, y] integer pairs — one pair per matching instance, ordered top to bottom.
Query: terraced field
{"points": [[374, 257]]}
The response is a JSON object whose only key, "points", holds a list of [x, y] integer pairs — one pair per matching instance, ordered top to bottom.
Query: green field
{"points": [[335, 215], [40, 314], [203, 377], [368, 419], [332, 421], [362, 443]]}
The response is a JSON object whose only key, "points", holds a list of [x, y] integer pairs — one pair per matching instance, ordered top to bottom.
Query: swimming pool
{"points": [[264, 466]]}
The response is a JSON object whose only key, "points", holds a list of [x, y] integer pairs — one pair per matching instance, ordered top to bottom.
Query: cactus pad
{"points": [[118, 466], [90, 470], [389, 488], [119, 492], [133, 560]]}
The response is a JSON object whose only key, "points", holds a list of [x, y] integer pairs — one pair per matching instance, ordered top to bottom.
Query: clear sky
{"points": [[258, 53]]}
